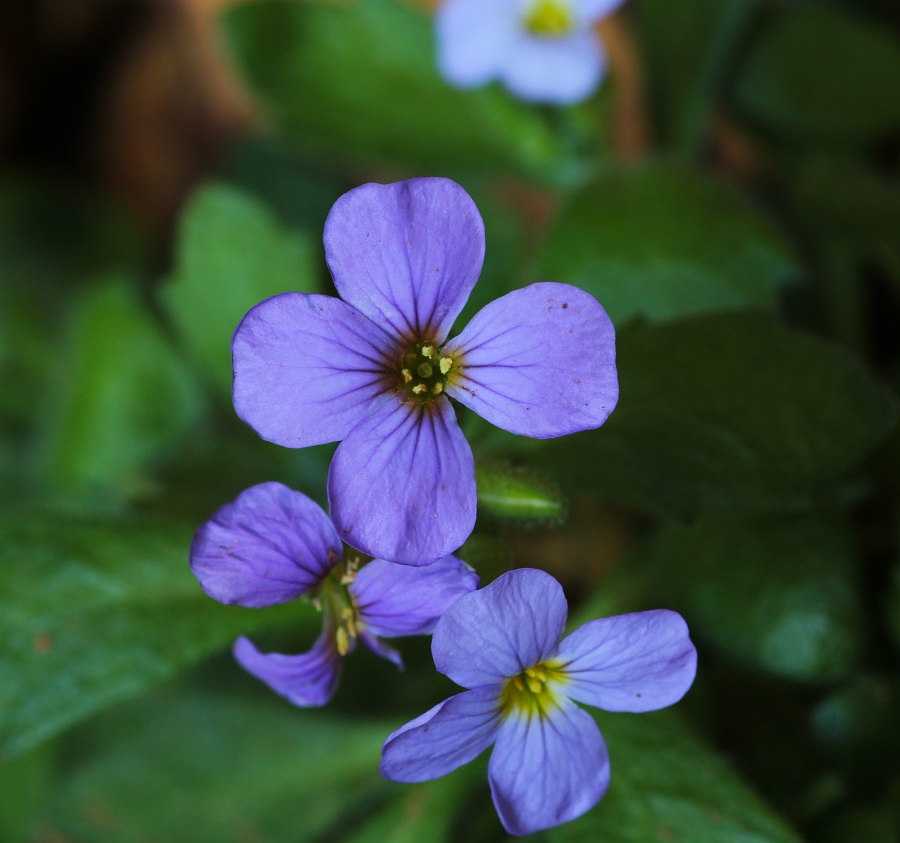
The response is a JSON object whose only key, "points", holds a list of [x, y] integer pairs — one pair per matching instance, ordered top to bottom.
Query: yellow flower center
{"points": [[549, 18], [424, 371], [341, 609], [534, 691]]}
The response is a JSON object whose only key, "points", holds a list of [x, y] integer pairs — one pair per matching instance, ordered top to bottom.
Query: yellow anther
{"points": [[550, 18], [427, 350], [445, 364], [425, 370], [407, 375], [419, 388], [438, 388], [343, 641], [517, 681], [534, 685]]}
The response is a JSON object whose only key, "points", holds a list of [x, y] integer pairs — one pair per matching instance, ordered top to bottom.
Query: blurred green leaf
{"points": [[688, 47], [822, 74], [359, 81], [663, 241], [231, 254], [121, 397], [727, 410], [514, 494], [778, 593], [892, 606], [93, 611], [859, 727], [218, 770], [667, 786], [421, 812]]}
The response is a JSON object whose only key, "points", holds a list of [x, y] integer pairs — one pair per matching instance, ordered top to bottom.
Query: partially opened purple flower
{"points": [[541, 50], [375, 369], [272, 544], [549, 763]]}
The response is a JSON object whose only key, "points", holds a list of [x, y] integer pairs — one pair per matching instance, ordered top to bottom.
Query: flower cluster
{"points": [[541, 50], [376, 370]]}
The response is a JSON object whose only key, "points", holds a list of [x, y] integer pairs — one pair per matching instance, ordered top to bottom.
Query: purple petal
{"points": [[594, 10], [473, 38], [554, 70], [406, 254], [539, 362], [305, 368], [402, 484], [270, 545], [400, 600], [497, 632], [377, 646], [637, 662], [307, 680], [446, 737], [547, 771]]}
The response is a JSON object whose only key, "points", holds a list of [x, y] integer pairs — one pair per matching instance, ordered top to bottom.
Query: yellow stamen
{"points": [[549, 18], [427, 351], [445, 364], [407, 375], [419, 388], [438, 388], [343, 641]]}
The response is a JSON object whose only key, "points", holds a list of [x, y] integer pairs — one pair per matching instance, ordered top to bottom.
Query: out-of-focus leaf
{"points": [[688, 47], [822, 74], [358, 81], [841, 197], [52, 235], [662, 241], [232, 254], [121, 396], [728, 410], [513, 494], [777, 593], [892, 607], [94, 611], [859, 726], [227, 770], [24, 785], [667, 786], [420, 812], [869, 824]]}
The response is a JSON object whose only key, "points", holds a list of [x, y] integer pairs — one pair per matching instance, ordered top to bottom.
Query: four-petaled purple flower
{"points": [[541, 50], [375, 369], [272, 544], [549, 763]]}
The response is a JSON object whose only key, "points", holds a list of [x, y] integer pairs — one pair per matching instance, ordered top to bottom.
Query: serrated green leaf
{"points": [[821, 74], [359, 81], [663, 241], [232, 253], [120, 398], [727, 410], [780, 594], [93, 611], [227, 770], [667, 787]]}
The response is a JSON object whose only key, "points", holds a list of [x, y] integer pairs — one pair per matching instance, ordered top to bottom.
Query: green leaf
{"points": [[688, 46], [821, 74], [359, 82], [664, 241], [232, 253], [120, 399], [729, 410], [514, 494], [780, 594], [93, 611], [859, 727], [227, 770], [667, 787]]}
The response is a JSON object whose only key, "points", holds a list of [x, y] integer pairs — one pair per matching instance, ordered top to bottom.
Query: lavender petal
{"points": [[539, 362], [270, 545]]}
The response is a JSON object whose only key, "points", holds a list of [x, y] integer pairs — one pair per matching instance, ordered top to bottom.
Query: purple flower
{"points": [[541, 50], [375, 369], [272, 544], [549, 763]]}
